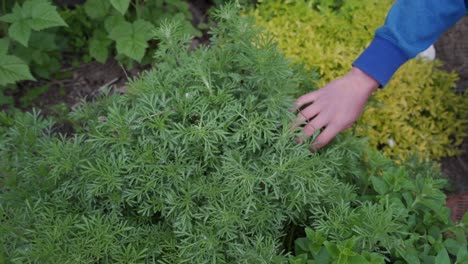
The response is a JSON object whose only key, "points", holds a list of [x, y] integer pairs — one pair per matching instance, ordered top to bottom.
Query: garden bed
{"points": [[195, 161]]}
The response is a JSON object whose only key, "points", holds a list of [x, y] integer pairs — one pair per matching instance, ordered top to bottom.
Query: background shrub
{"points": [[36, 35], [416, 112], [198, 163]]}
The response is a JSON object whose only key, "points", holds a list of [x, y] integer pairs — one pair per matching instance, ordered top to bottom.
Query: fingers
{"points": [[305, 99], [306, 114], [315, 124], [325, 136]]}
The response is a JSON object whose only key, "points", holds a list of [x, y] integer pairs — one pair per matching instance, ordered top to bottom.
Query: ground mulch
{"points": [[452, 50]]}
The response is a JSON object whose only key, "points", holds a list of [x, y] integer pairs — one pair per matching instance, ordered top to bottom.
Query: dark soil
{"points": [[452, 50], [83, 83]]}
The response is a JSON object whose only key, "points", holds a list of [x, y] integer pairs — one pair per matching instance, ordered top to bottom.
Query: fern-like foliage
{"points": [[196, 164]]}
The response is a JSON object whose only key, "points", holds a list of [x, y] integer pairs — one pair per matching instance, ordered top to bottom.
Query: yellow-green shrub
{"points": [[417, 111]]}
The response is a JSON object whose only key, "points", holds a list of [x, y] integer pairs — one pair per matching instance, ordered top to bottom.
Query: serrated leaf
{"points": [[120, 5], [97, 8], [15, 15], [33, 15], [42, 15], [8, 18], [112, 21], [143, 29], [121, 30], [20, 31], [132, 38], [4, 45], [98, 46], [132, 48], [13, 69], [452, 246]]}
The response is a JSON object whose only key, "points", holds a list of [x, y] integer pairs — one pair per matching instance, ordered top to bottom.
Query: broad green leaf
{"points": [[120, 5], [97, 8], [15, 15], [33, 15], [42, 15], [8, 18], [112, 21], [143, 29], [121, 30], [20, 31], [132, 38], [4, 45], [98, 46], [132, 48], [12, 69], [380, 186], [438, 208], [301, 245], [452, 246], [332, 249], [410, 254], [462, 255], [442, 257]]}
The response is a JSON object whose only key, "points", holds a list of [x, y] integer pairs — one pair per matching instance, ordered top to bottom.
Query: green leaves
{"points": [[120, 5], [97, 9], [33, 15], [132, 38], [4, 45], [99, 46], [13, 69], [379, 185], [442, 257]]}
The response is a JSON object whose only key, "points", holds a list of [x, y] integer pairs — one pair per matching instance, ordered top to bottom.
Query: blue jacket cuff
{"points": [[381, 60]]}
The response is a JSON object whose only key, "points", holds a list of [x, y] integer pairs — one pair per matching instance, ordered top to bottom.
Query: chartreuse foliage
{"points": [[416, 112], [198, 164]]}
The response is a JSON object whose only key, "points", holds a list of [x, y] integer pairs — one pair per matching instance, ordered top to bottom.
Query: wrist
{"points": [[365, 82]]}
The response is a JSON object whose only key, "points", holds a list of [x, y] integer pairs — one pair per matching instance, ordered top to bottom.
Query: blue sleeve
{"points": [[410, 27]]}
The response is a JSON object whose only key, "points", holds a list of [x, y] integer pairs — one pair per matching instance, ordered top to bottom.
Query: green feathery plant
{"points": [[197, 163]]}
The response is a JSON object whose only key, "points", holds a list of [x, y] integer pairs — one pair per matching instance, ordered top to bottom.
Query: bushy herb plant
{"points": [[416, 112], [198, 164], [398, 216]]}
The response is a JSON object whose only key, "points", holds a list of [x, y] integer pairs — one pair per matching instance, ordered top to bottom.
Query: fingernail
{"points": [[314, 147]]}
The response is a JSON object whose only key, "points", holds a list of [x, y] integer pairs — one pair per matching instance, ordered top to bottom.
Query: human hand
{"points": [[335, 107]]}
